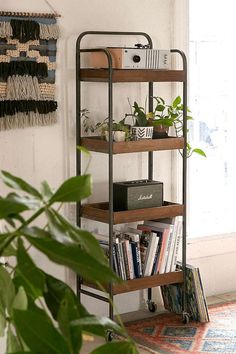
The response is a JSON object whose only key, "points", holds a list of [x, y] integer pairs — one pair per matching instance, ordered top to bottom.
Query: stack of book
{"points": [[150, 249], [172, 295]]}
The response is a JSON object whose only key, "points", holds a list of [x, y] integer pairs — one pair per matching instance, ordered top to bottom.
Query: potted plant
{"points": [[165, 116], [140, 129], [120, 130], [39, 313]]}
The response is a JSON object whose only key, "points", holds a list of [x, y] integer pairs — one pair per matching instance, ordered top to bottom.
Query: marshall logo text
{"points": [[145, 197]]}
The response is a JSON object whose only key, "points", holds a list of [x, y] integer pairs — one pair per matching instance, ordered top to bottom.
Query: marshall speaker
{"points": [[139, 194]]}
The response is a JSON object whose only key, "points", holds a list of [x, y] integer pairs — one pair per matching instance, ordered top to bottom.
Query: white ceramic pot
{"points": [[142, 132], [117, 135]]}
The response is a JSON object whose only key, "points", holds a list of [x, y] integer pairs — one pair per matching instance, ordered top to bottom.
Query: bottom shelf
{"points": [[144, 283]]}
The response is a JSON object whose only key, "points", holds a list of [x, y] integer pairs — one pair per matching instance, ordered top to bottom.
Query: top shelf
{"points": [[131, 75]]}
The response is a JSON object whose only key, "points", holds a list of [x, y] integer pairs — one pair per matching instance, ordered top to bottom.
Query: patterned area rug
{"points": [[166, 334]]}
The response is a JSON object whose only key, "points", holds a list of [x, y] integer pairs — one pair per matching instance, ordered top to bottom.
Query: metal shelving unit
{"points": [[103, 212]]}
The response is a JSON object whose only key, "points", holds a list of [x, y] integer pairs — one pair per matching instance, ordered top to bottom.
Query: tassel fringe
{"points": [[5, 29], [26, 30], [49, 31], [23, 68], [23, 88], [10, 108], [22, 120]]}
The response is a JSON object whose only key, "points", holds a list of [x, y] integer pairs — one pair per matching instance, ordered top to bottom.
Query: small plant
{"points": [[172, 115], [163, 117], [140, 118], [86, 121], [103, 126], [140, 128]]}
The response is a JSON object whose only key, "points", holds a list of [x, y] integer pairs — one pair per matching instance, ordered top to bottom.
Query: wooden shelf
{"points": [[130, 75], [96, 143], [100, 212], [144, 283]]}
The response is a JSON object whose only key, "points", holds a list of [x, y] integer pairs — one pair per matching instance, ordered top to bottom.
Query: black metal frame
{"points": [[80, 290]]}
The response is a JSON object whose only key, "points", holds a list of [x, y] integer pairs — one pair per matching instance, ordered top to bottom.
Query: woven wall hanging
{"points": [[27, 70]]}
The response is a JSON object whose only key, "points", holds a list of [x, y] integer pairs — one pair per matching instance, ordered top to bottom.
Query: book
{"points": [[135, 237], [178, 239], [134, 249], [150, 255], [121, 258], [130, 264], [196, 305]]}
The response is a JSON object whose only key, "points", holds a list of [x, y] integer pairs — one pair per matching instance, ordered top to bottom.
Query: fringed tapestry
{"points": [[27, 71]]}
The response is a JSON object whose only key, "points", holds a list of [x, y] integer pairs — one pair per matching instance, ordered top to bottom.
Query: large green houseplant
{"points": [[40, 314]]}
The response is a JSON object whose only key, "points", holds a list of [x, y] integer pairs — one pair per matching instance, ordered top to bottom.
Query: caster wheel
{"points": [[152, 307], [185, 317], [109, 336]]}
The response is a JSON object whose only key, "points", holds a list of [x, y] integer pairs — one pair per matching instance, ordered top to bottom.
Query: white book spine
{"points": [[176, 246], [151, 254]]}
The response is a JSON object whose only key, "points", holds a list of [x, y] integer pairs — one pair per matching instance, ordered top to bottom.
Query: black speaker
{"points": [[138, 194]]}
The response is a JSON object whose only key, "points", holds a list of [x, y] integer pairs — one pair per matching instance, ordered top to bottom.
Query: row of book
{"points": [[151, 248], [196, 305]]}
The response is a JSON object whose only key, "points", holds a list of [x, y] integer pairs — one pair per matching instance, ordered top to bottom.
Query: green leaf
{"points": [[159, 100], [176, 101], [160, 108], [83, 150], [200, 152], [18, 183], [46, 190], [73, 190], [28, 201], [9, 207], [57, 231], [35, 232], [84, 238], [4, 241], [9, 251], [76, 259], [31, 276], [7, 289], [55, 293], [20, 301], [34, 308], [68, 312], [3, 321], [98, 325], [39, 334], [13, 344], [122, 347]]}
